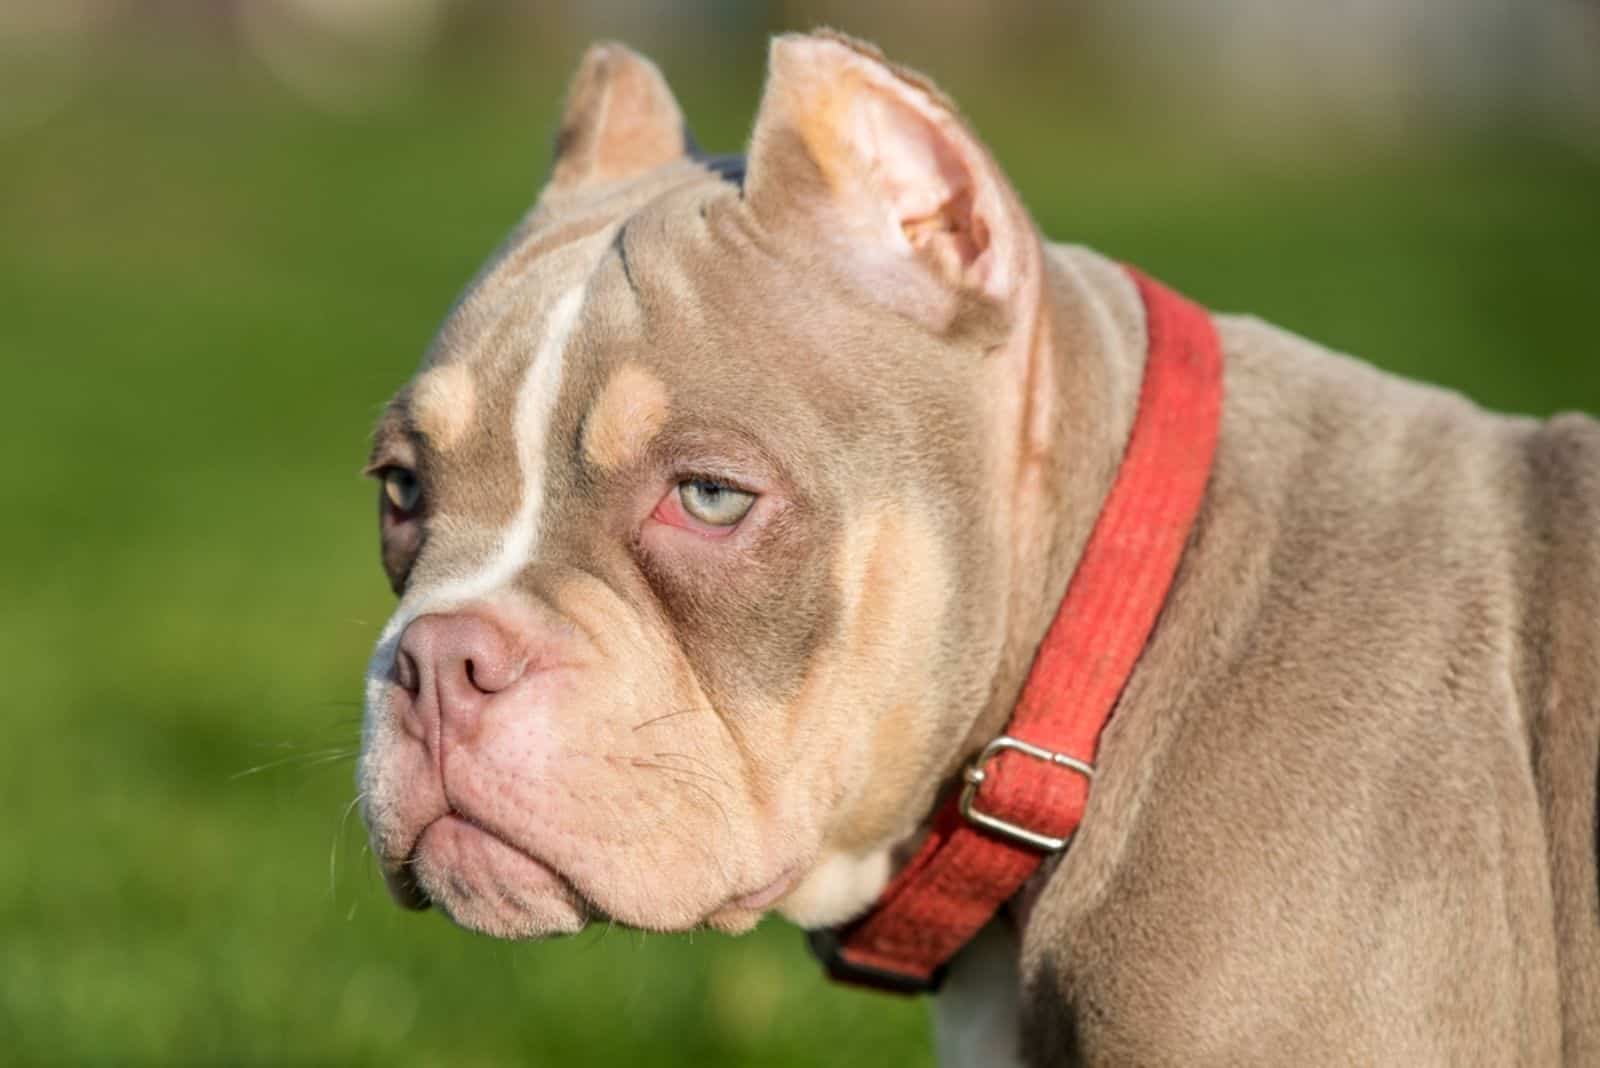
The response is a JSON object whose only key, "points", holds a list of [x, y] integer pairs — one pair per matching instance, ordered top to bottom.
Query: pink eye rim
{"points": [[670, 510]]}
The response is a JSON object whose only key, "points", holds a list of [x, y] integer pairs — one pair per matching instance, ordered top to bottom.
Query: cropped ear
{"points": [[620, 120], [875, 160]]}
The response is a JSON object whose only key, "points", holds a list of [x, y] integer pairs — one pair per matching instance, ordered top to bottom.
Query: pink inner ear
{"points": [[874, 161], [918, 172]]}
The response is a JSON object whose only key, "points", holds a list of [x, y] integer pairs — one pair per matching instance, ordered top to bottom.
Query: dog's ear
{"points": [[621, 120], [874, 160]]}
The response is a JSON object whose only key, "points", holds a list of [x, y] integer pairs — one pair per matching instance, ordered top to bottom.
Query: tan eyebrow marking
{"points": [[443, 403], [630, 411]]}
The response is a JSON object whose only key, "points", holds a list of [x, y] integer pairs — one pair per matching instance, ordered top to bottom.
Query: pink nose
{"points": [[451, 666]]}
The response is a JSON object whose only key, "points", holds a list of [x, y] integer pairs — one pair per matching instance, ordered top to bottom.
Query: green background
{"points": [[207, 290]]}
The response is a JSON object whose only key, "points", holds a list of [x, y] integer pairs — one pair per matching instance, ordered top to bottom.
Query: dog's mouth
{"points": [[403, 880], [485, 881], [403, 886]]}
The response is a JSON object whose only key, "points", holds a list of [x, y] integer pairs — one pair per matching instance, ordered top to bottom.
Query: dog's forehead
{"points": [[592, 244], [670, 312], [582, 337], [471, 408]]}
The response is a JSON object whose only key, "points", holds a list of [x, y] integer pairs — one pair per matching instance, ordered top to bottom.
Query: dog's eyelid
{"points": [[392, 445], [385, 457], [743, 469], [380, 470], [719, 477]]}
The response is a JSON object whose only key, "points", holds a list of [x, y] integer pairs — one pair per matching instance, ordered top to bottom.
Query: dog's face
{"points": [[703, 512]]}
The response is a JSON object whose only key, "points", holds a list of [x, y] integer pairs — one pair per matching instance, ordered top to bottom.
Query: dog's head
{"points": [[705, 512]]}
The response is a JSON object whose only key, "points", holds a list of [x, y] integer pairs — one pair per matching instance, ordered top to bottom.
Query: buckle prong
{"points": [[975, 773]]}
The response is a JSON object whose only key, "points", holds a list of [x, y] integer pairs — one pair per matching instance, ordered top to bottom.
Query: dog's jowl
{"points": [[811, 535]]}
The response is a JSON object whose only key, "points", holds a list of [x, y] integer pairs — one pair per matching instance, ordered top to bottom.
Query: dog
{"points": [[735, 507]]}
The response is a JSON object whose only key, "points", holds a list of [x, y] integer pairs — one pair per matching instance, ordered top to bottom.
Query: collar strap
{"points": [[1024, 795]]}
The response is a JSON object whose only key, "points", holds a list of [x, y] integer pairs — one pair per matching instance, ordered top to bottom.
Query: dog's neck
{"points": [[1091, 339], [1085, 367]]}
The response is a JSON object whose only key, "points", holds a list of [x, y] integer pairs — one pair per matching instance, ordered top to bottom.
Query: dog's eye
{"points": [[403, 491], [713, 503]]}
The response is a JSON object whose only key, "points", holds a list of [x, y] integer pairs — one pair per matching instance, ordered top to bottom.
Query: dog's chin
{"points": [[487, 885]]}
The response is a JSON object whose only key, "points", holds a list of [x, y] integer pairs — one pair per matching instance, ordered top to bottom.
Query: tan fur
{"points": [[621, 120], [442, 402], [630, 411], [879, 594], [888, 594], [1321, 782], [1345, 810]]}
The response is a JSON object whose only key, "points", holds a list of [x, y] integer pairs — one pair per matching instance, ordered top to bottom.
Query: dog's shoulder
{"points": [[1559, 679], [1333, 729]]}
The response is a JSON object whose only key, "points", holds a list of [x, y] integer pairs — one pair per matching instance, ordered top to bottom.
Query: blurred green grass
{"points": [[206, 292]]}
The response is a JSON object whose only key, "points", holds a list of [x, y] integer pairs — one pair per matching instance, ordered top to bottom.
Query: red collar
{"points": [[1025, 793]]}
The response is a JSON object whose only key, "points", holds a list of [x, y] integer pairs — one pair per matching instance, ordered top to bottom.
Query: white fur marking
{"points": [[536, 400], [838, 887], [977, 1020]]}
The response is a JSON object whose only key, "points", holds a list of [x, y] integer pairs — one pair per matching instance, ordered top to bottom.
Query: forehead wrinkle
{"points": [[553, 226], [536, 239], [544, 241], [499, 284], [499, 329]]}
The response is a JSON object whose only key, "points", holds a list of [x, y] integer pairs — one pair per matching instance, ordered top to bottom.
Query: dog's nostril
{"points": [[406, 673], [472, 676]]}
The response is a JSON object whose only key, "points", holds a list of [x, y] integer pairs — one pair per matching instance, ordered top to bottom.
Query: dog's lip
{"points": [[455, 815], [401, 880], [406, 889], [764, 898], [741, 912]]}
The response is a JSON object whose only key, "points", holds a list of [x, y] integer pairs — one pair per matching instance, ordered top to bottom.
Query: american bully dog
{"points": [[807, 533]]}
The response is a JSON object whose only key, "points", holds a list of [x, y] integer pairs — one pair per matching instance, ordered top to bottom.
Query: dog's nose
{"points": [[451, 666]]}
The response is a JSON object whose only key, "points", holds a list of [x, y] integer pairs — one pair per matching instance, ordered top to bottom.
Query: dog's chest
{"points": [[976, 1022]]}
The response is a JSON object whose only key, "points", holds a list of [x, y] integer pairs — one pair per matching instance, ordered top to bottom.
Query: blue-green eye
{"points": [[402, 490], [713, 503]]}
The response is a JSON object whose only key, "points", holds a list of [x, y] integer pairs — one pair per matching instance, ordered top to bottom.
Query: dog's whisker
{"points": [[653, 720], [287, 744], [304, 760], [710, 769], [677, 771], [709, 796], [338, 837]]}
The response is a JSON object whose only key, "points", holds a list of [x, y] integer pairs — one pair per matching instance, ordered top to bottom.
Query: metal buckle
{"points": [[975, 775]]}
